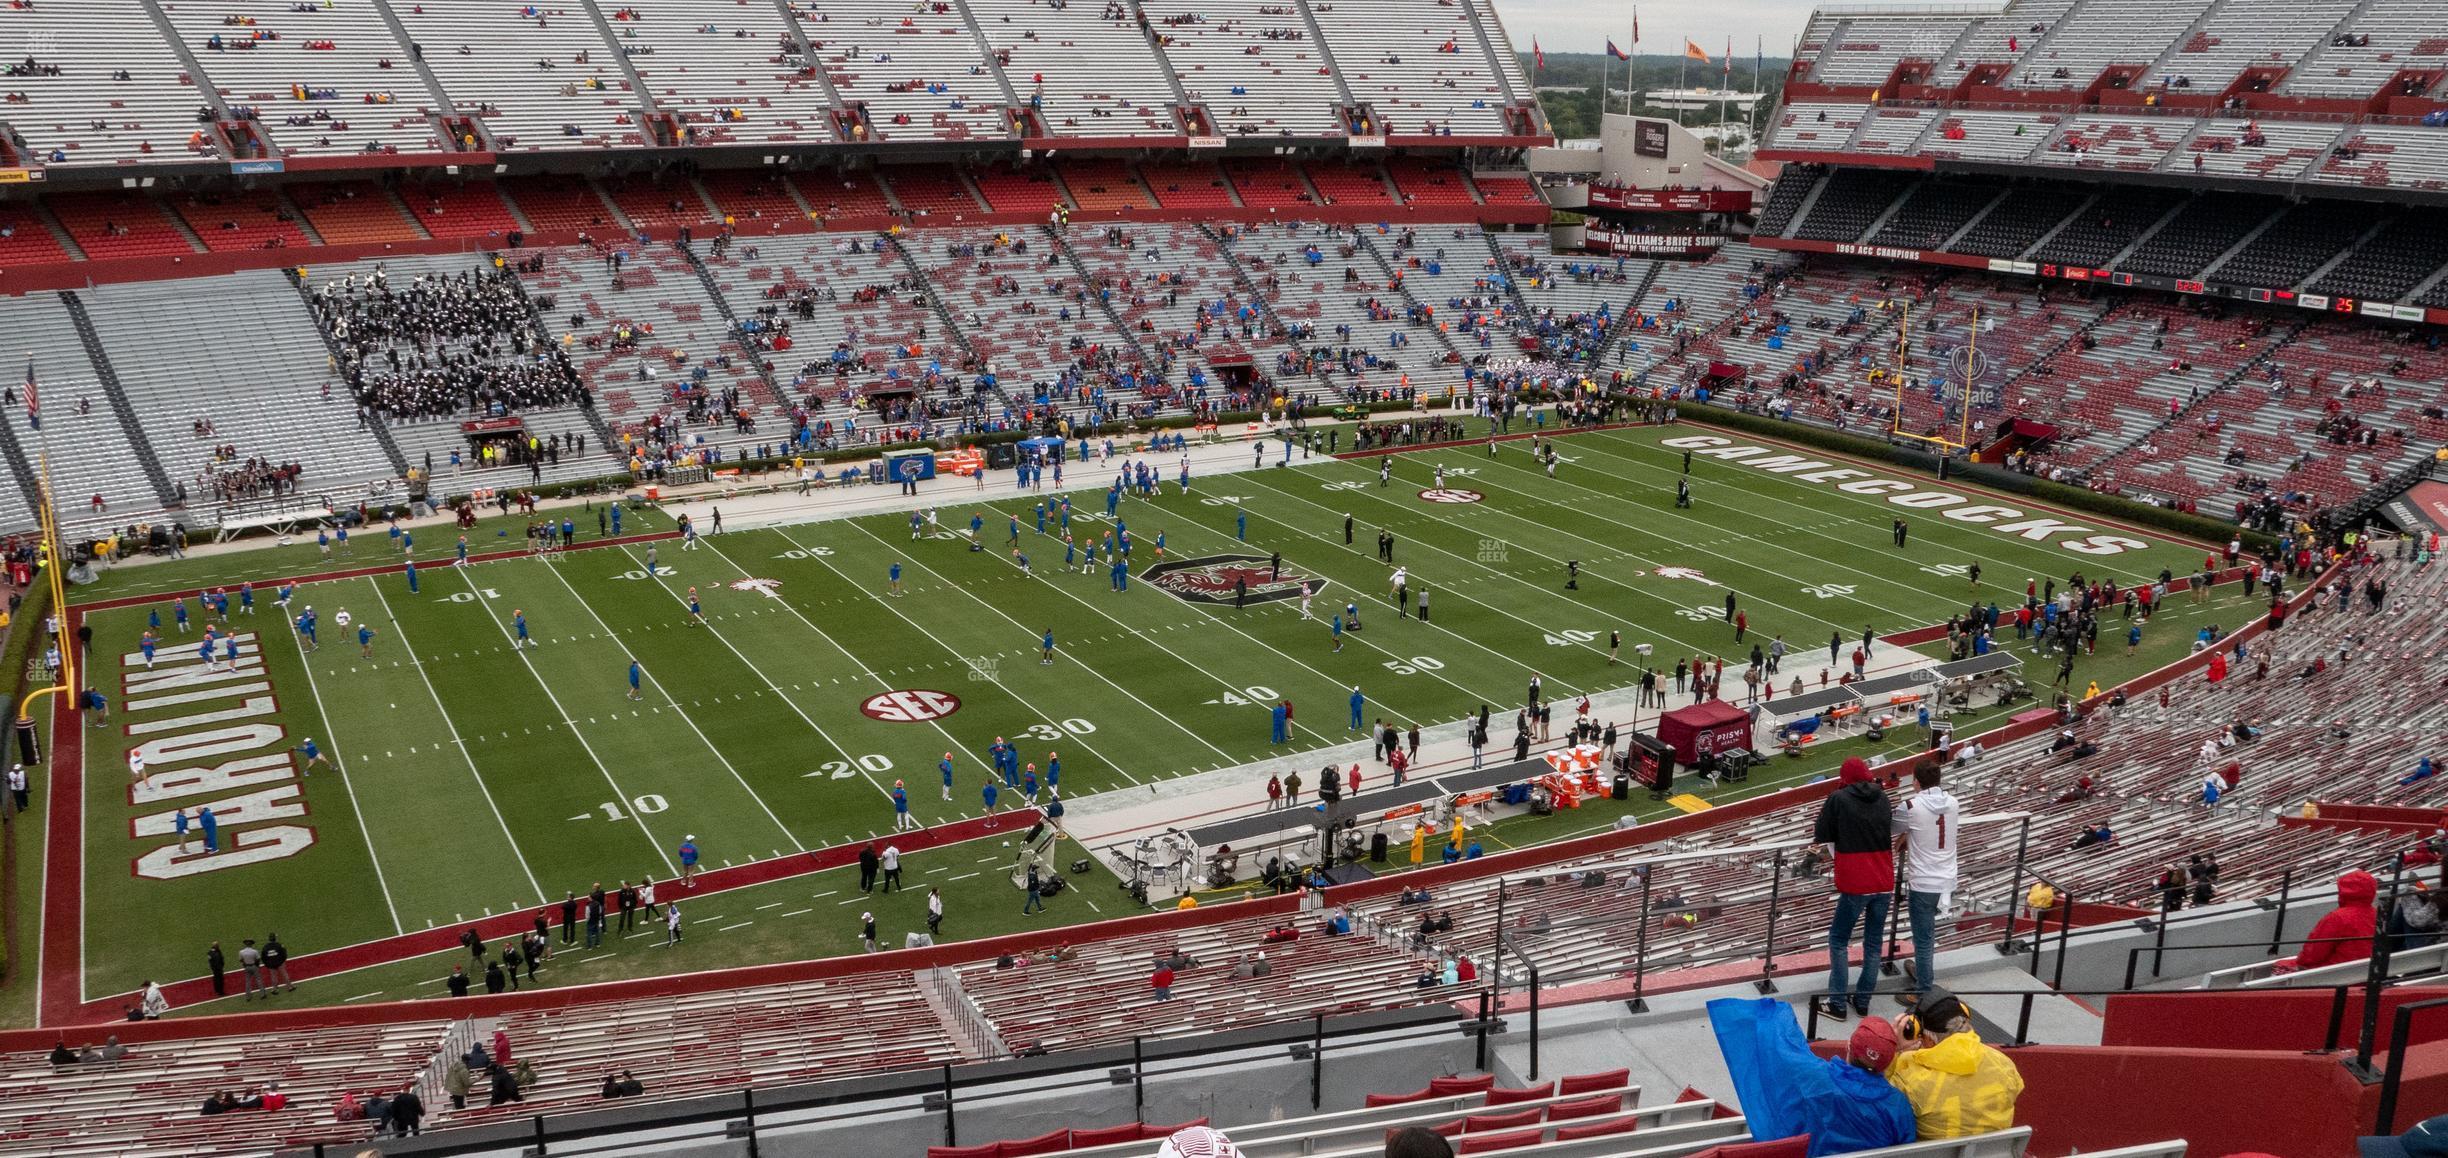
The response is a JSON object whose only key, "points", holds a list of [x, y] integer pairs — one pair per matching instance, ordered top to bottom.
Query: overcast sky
{"points": [[1584, 25]]}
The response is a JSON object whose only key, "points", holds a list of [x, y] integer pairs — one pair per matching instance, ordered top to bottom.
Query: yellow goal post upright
{"points": [[1962, 442], [48, 556]]}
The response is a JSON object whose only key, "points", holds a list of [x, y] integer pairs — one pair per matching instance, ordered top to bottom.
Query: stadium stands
{"points": [[2386, 36], [2235, 37], [2073, 53], [1418, 63], [1251, 64], [1087, 73], [536, 78], [737, 78], [323, 81], [106, 89], [460, 209], [349, 212], [291, 418], [145, 1103]]}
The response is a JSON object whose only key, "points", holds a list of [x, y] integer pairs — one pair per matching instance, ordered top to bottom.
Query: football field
{"points": [[464, 774]]}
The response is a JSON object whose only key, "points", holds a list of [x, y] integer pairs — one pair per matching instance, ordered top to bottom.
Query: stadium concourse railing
{"points": [[70, 275], [945, 1092]]}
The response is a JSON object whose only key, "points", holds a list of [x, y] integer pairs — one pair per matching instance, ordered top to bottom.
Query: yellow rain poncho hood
{"points": [[1958, 1087]]}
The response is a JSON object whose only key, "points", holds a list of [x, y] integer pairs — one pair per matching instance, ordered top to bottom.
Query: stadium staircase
{"points": [[1326, 56], [993, 61], [811, 64], [1164, 64], [444, 107], [646, 109], [1802, 209], [1972, 222], [2041, 242], [2348, 251], [1386, 271], [1096, 293], [1256, 293], [1521, 305], [942, 312], [1624, 323], [757, 359], [108, 379], [2223, 390], [377, 424]]}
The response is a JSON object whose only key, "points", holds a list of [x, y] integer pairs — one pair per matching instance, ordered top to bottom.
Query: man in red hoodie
{"points": [[1856, 822], [2345, 933]]}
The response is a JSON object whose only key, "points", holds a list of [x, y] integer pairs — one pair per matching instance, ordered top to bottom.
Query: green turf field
{"points": [[471, 776]]}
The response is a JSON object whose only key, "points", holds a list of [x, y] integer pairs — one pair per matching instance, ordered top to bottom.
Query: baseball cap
{"points": [[1854, 769], [1873, 1045], [2428, 1139], [1198, 1142]]}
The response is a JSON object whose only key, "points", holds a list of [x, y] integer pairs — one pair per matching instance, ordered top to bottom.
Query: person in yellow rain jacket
{"points": [[1958, 1087]]}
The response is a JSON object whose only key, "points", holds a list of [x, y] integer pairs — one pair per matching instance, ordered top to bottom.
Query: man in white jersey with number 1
{"points": [[1928, 826]]}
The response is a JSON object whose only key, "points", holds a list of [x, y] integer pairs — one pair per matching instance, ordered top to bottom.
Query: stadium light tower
{"points": [[47, 557]]}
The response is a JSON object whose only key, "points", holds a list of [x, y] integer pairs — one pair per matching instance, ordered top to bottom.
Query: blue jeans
{"points": [[1856, 910], [1923, 912]]}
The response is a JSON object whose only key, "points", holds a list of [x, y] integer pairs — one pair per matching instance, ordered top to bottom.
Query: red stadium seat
{"points": [[1475, 1083], [1585, 1083], [1501, 1095], [1374, 1100], [1585, 1108], [1513, 1121], [1598, 1130], [1105, 1135], [1513, 1141], [1046, 1143]]}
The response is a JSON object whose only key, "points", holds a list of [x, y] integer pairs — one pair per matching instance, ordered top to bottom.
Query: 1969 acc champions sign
{"points": [[913, 706]]}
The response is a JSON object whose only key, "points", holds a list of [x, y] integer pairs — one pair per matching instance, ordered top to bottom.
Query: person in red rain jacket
{"points": [[1856, 822], [2345, 933]]}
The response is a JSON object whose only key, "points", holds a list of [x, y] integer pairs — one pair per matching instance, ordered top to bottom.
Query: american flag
{"points": [[33, 408]]}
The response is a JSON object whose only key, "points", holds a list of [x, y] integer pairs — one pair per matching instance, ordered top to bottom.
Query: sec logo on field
{"points": [[1450, 495], [912, 706]]}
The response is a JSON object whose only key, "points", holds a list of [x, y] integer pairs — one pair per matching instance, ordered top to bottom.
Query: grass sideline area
{"points": [[466, 775]]}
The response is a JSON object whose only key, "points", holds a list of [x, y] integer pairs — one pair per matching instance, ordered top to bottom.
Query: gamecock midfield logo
{"points": [[1213, 579]]}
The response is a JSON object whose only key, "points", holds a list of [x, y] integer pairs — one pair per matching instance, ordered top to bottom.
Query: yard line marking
{"points": [[1839, 458], [1421, 541], [1821, 562], [1905, 618], [810, 624], [1129, 631], [1091, 669], [1379, 701], [684, 716], [453, 728], [340, 765], [618, 793], [962, 877], [775, 905], [798, 912], [741, 925], [362, 996]]}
